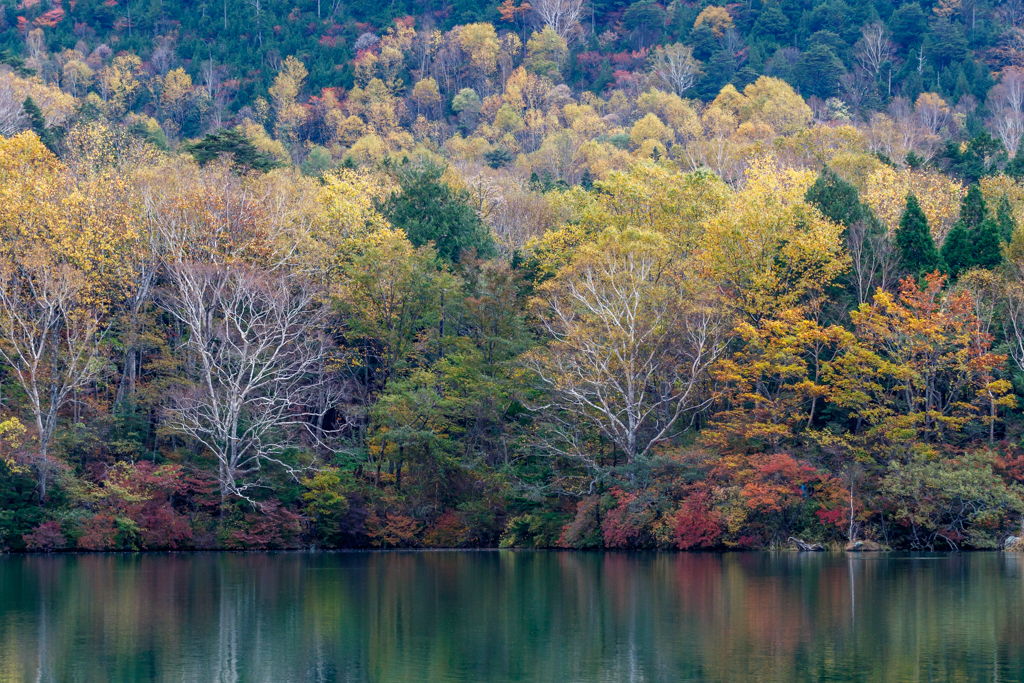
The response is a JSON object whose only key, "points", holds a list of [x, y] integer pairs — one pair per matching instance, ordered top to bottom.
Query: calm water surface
{"points": [[511, 616]]}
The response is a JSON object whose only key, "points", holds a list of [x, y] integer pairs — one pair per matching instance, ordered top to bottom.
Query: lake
{"points": [[511, 616]]}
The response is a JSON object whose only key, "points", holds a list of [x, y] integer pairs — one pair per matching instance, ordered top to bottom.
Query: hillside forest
{"points": [[550, 275]]}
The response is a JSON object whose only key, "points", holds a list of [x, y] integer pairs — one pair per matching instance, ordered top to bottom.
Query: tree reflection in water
{"points": [[511, 616]]}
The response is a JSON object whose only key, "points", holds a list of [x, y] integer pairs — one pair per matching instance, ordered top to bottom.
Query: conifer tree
{"points": [[48, 136], [835, 198], [972, 208], [1004, 217], [974, 241], [918, 254]]}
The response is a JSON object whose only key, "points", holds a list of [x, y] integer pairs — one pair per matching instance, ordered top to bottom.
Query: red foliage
{"points": [[50, 19], [327, 41], [1010, 466], [779, 481], [835, 517], [624, 524], [697, 525], [161, 527], [583, 527], [270, 528], [394, 531], [449, 531], [99, 532], [45, 538]]}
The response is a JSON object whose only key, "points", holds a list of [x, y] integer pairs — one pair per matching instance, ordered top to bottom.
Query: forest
{"points": [[550, 275]]}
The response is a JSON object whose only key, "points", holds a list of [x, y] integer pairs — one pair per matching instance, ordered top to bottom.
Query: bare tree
{"points": [[561, 15], [874, 48], [674, 67], [1006, 102], [12, 114], [874, 260], [50, 337], [254, 341], [630, 347]]}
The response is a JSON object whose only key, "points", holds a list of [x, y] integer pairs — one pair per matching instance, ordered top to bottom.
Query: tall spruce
{"points": [[48, 136], [835, 198], [1004, 217], [974, 241], [918, 254]]}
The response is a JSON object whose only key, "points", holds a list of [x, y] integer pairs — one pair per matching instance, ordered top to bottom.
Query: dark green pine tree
{"points": [[48, 136], [243, 153], [1015, 169], [835, 198], [972, 208], [428, 210], [1004, 217], [974, 241], [958, 249], [988, 251], [918, 254]]}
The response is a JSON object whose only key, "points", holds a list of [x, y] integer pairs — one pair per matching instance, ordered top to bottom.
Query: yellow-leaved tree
{"points": [[63, 246], [768, 248], [631, 335]]}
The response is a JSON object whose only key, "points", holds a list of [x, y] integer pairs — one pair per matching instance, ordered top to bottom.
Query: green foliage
{"points": [[48, 136], [244, 155], [836, 198], [430, 211], [1004, 219], [975, 239], [918, 254], [943, 503], [20, 512]]}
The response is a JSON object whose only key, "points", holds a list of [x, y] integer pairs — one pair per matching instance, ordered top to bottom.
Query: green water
{"points": [[511, 616]]}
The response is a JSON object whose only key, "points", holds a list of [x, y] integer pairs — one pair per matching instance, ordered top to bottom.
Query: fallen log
{"points": [[807, 547]]}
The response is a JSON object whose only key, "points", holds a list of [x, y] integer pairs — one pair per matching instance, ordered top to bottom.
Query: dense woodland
{"points": [[566, 275]]}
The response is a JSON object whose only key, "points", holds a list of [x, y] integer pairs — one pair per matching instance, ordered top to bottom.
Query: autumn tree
{"points": [[674, 67], [768, 248], [60, 266], [254, 339], [631, 341], [922, 370]]}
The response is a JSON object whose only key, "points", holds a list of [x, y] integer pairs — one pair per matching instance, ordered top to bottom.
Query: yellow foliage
{"points": [[717, 18], [480, 42], [56, 105], [673, 110], [650, 127], [262, 141], [995, 187], [939, 196], [89, 223], [769, 249]]}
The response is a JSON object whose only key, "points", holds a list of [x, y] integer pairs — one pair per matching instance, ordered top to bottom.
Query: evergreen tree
{"points": [[48, 136], [244, 154], [1015, 169], [835, 198], [972, 207], [428, 210], [1004, 217], [914, 240], [974, 241], [987, 245], [957, 250]]}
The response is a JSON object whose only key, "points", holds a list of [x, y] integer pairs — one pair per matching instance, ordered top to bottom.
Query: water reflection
{"points": [[511, 616]]}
